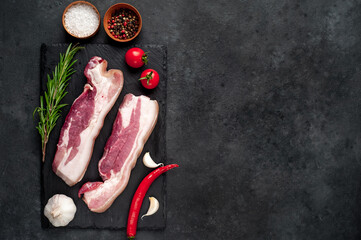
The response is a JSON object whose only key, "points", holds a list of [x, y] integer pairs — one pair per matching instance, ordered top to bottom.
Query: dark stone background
{"points": [[263, 117]]}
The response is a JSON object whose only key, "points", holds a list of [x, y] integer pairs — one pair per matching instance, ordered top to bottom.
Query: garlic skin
{"points": [[148, 161], [153, 207], [60, 210]]}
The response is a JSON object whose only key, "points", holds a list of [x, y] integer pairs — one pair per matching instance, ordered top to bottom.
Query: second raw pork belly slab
{"points": [[85, 120], [133, 125]]}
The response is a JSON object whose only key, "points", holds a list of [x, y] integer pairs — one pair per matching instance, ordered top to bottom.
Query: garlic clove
{"points": [[148, 161], [153, 207], [60, 210]]}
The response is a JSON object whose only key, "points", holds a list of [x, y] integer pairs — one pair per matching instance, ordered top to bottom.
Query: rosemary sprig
{"points": [[49, 111]]}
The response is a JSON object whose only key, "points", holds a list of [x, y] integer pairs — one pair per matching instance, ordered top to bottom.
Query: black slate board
{"points": [[116, 216]]}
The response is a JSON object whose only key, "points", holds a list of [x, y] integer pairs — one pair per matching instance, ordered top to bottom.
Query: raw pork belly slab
{"points": [[85, 119], [133, 125]]}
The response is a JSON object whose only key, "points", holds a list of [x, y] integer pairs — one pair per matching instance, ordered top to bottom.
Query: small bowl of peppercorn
{"points": [[122, 22]]}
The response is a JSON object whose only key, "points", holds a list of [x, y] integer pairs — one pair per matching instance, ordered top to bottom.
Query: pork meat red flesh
{"points": [[85, 119], [134, 123]]}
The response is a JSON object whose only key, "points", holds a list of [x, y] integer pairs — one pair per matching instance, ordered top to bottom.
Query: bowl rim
{"points": [[81, 2], [120, 5]]}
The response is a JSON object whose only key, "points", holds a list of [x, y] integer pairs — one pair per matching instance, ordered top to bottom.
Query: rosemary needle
{"points": [[50, 106]]}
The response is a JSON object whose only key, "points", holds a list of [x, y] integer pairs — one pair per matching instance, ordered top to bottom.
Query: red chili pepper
{"points": [[139, 196]]}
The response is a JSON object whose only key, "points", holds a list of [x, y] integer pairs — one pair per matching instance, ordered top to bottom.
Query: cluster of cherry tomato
{"points": [[136, 58]]}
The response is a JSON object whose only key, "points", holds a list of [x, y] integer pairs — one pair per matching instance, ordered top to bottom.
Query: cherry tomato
{"points": [[136, 57], [149, 78]]}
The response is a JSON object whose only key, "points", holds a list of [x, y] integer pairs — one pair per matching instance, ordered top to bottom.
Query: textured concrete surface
{"points": [[263, 117]]}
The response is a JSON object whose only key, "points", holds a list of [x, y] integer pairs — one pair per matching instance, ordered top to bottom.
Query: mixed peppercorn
{"points": [[123, 24]]}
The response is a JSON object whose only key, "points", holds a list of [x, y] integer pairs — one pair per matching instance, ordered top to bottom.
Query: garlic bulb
{"points": [[148, 161], [153, 207], [60, 210]]}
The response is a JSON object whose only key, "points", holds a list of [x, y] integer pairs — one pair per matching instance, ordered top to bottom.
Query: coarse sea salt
{"points": [[81, 20]]}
